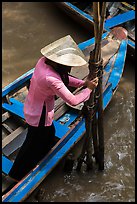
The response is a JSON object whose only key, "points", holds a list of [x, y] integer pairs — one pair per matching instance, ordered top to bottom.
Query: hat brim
{"points": [[64, 51]]}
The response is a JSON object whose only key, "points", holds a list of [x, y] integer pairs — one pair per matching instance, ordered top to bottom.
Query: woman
{"points": [[50, 78]]}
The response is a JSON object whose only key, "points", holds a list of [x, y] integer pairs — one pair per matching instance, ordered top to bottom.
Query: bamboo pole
{"points": [[96, 19], [98, 29], [98, 46], [100, 91], [87, 110], [91, 125], [99, 151]]}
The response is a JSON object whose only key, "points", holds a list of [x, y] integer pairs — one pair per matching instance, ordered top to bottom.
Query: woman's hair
{"points": [[62, 70]]}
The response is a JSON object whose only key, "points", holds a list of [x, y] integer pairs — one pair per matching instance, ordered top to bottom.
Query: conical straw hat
{"points": [[64, 51]]}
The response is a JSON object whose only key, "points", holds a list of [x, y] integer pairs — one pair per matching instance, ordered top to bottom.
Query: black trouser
{"points": [[38, 142]]}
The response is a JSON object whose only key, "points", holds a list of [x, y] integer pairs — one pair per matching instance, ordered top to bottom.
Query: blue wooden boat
{"points": [[122, 14], [69, 126]]}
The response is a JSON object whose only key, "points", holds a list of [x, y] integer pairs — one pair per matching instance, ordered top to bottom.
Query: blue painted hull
{"points": [[87, 20], [67, 138]]}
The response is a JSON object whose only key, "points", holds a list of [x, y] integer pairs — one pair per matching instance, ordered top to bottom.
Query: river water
{"points": [[26, 28]]}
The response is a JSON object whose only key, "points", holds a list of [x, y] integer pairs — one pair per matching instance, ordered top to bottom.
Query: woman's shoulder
{"points": [[41, 61], [45, 72]]}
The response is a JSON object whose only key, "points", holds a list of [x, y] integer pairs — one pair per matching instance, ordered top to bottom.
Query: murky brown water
{"points": [[26, 28]]}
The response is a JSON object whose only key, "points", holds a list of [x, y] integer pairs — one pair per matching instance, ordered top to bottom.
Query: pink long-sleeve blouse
{"points": [[45, 84]]}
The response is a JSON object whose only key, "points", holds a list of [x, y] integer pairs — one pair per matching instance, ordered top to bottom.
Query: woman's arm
{"points": [[75, 82], [62, 91]]}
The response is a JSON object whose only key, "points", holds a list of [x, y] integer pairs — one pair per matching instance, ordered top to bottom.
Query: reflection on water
{"points": [[27, 27]]}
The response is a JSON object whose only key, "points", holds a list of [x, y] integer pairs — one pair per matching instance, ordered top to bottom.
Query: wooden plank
{"points": [[128, 5], [132, 36], [90, 42], [109, 50], [108, 70], [60, 102], [60, 111], [5, 116], [7, 127], [11, 136], [19, 137], [13, 145]]}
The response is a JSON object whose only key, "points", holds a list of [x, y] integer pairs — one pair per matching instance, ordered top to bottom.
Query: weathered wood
{"points": [[132, 36], [109, 50], [107, 74], [5, 116], [7, 127], [11, 136], [15, 144]]}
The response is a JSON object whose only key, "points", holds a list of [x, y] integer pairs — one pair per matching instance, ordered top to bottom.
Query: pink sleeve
{"points": [[74, 82], [62, 91]]}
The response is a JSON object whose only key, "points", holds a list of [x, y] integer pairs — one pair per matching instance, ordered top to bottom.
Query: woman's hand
{"points": [[92, 84]]}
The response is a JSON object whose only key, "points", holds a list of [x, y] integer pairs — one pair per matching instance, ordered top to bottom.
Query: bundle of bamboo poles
{"points": [[94, 126]]}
